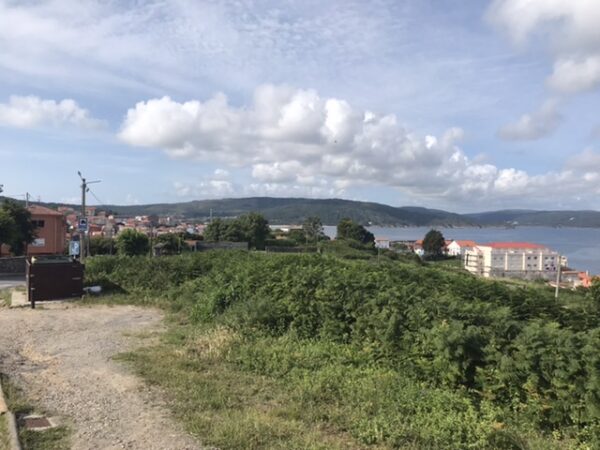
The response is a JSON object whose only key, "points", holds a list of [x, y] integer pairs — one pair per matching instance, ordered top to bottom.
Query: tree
{"points": [[252, 228], [255, 228], [7, 229], [313, 229], [347, 229], [24, 230], [215, 231], [234, 232], [297, 236], [131, 243], [172, 243], [434, 243], [101, 246], [595, 290]]}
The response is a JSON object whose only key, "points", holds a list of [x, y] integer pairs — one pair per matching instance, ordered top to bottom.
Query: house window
{"points": [[38, 223]]}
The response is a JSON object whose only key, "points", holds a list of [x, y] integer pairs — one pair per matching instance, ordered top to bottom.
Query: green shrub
{"points": [[462, 349]]}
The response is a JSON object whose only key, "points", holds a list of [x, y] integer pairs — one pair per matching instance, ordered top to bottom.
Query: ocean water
{"points": [[580, 245]]}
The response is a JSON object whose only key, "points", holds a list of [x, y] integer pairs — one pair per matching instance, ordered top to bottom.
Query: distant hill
{"points": [[295, 210]]}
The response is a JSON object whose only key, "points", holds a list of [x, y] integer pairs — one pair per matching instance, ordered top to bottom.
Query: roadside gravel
{"points": [[61, 355]]}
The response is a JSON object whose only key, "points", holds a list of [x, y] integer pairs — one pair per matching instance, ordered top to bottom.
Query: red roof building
{"points": [[50, 232], [515, 245]]}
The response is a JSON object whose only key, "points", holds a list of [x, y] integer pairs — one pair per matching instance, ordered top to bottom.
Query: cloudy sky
{"points": [[457, 104]]}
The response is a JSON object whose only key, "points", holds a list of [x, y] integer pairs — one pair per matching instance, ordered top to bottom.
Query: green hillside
{"points": [[295, 210]]}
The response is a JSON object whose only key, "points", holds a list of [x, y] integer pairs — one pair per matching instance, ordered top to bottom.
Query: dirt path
{"points": [[62, 357]]}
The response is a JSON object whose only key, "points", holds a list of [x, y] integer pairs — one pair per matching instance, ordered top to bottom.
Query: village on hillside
{"points": [[56, 229]]}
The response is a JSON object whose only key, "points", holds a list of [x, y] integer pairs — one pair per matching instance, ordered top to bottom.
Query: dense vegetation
{"points": [[16, 228], [252, 228], [347, 229], [434, 244], [394, 354]]}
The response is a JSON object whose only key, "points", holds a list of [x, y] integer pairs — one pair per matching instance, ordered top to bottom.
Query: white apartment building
{"points": [[384, 243], [458, 247], [512, 259]]}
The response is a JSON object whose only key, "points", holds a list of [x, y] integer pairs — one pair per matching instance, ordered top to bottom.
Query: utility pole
{"points": [[83, 239], [557, 278]]}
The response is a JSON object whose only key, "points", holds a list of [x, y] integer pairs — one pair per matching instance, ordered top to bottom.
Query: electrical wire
{"points": [[100, 202]]}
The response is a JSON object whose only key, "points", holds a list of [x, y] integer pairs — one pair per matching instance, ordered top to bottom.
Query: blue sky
{"points": [[463, 105]]}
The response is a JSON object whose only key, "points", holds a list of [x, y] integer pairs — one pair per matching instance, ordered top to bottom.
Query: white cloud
{"points": [[570, 27], [177, 46], [572, 75], [33, 112], [536, 125], [297, 143], [586, 161], [204, 189]]}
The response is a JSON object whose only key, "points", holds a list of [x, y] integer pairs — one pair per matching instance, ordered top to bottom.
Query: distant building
{"points": [[285, 228], [51, 229], [384, 243], [418, 247], [458, 247], [512, 259], [575, 278]]}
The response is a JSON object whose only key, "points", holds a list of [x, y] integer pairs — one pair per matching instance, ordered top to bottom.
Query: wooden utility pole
{"points": [[83, 239], [558, 278]]}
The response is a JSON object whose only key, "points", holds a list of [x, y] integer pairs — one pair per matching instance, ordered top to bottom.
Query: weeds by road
{"points": [[4, 436], [53, 439]]}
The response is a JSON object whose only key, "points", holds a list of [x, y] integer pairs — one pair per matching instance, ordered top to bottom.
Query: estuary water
{"points": [[580, 245]]}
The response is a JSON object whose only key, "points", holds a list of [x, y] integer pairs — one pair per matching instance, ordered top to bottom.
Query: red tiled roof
{"points": [[42, 211], [465, 243], [526, 245]]}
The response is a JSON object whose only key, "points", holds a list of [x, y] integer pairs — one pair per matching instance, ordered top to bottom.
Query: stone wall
{"points": [[203, 246], [12, 265], [530, 275]]}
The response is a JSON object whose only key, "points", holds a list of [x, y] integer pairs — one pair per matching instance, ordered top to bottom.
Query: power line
{"points": [[95, 196]]}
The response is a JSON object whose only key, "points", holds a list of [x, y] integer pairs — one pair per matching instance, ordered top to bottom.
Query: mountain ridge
{"points": [[282, 210]]}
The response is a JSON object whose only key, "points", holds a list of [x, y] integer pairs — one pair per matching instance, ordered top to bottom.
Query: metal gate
{"points": [[53, 278]]}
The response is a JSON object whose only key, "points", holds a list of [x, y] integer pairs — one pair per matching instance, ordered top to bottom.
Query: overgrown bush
{"points": [[462, 351]]}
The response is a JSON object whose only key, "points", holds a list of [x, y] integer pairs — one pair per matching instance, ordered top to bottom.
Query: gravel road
{"points": [[61, 354]]}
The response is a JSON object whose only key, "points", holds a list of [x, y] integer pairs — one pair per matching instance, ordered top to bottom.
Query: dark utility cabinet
{"points": [[53, 278]]}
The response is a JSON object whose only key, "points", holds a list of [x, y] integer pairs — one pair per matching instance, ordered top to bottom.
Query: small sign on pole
{"points": [[83, 224], [74, 248]]}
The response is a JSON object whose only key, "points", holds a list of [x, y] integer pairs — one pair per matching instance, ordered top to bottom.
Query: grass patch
{"points": [[5, 298], [265, 392], [224, 405], [4, 436], [53, 439]]}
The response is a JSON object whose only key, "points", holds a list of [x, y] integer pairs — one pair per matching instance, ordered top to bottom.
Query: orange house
{"points": [[50, 231]]}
